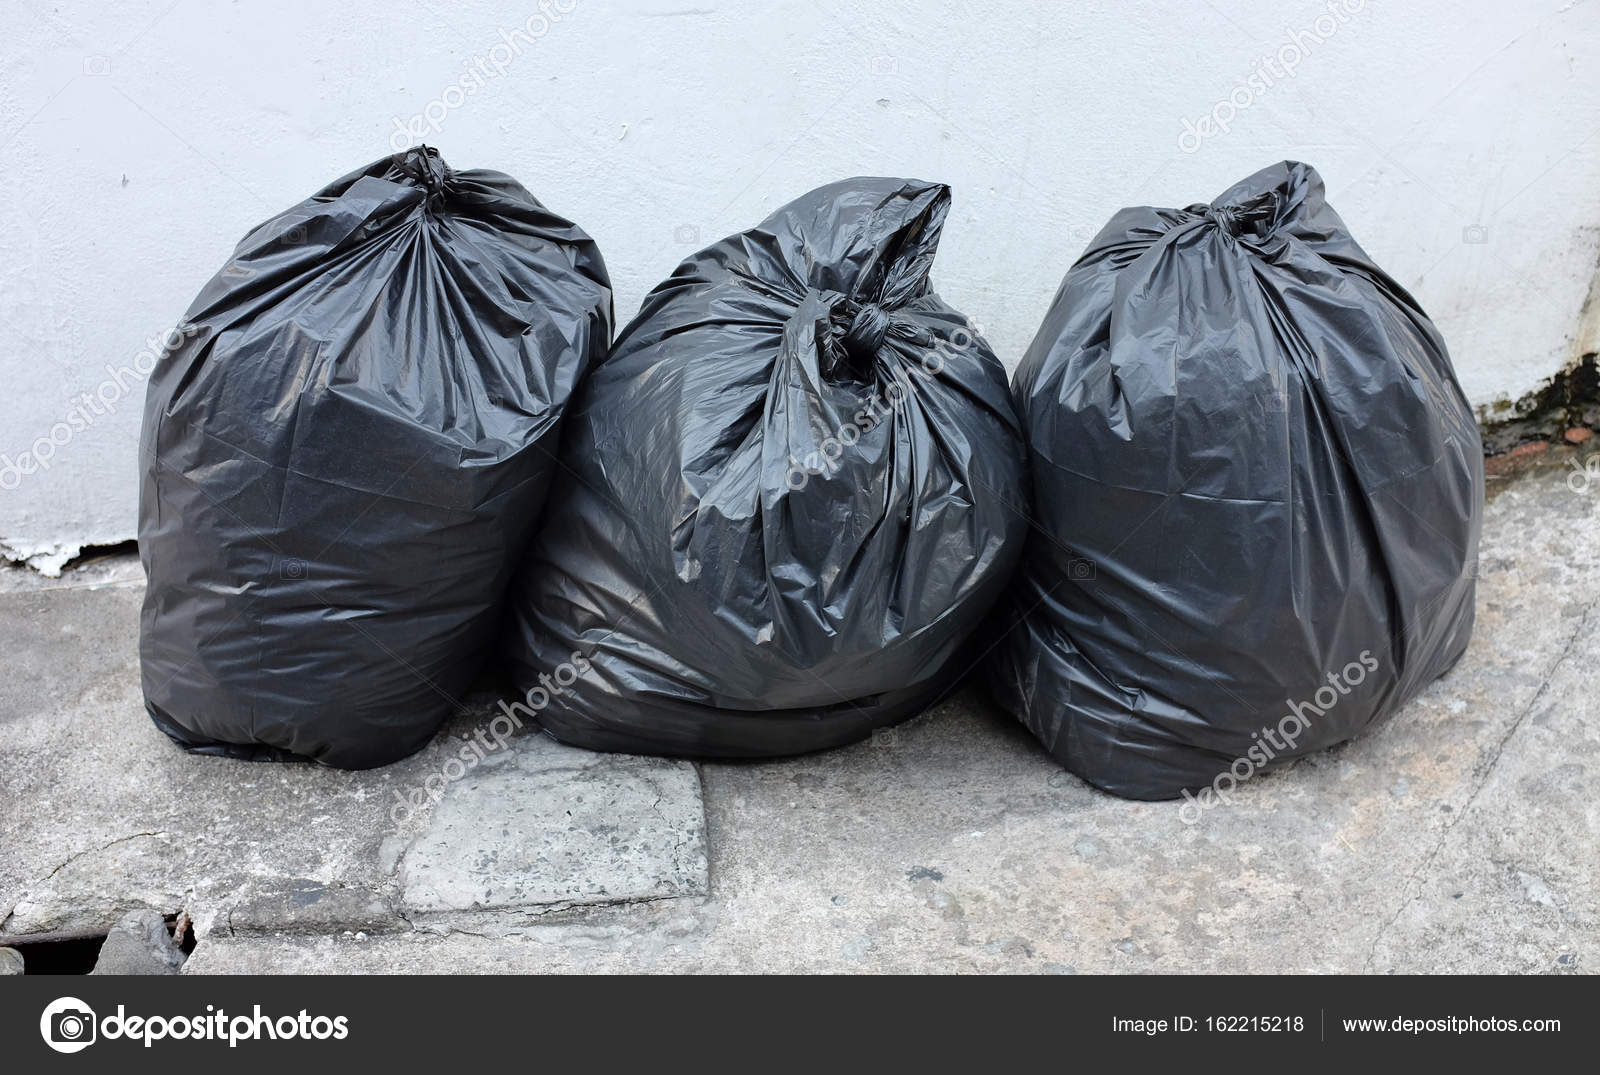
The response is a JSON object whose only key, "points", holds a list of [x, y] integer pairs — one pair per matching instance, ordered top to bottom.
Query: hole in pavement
{"points": [[91, 554], [176, 922], [75, 952], [58, 953]]}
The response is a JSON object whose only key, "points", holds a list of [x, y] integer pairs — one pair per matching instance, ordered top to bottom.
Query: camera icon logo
{"points": [[685, 234], [1475, 234], [292, 569], [1081, 569], [68, 1025]]}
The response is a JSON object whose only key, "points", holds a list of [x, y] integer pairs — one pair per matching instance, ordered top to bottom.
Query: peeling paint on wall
{"points": [[48, 560]]}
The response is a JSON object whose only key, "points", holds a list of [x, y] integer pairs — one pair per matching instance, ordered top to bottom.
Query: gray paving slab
{"points": [[548, 825]]}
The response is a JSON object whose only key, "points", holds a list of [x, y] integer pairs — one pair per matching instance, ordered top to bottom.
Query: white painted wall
{"points": [[142, 139]]}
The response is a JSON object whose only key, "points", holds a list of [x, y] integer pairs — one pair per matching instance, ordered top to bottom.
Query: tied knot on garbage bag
{"points": [[427, 170], [1254, 217], [860, 331], [866, 332]]}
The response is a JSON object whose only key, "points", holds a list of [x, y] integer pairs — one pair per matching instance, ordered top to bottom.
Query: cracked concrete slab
{"points": [[551, 825], [1463, 835], [1514, 882]]}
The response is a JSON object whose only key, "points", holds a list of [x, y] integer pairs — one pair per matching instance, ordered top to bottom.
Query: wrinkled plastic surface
{"points": [[345, 455], [1255, 475], [722, 573]]}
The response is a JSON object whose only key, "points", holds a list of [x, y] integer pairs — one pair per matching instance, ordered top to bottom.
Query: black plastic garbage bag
{"points": [[345, 455], [794, 491], [1260, 492]]}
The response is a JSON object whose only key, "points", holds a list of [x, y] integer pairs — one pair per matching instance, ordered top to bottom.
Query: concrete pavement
{"points": [[1462, 836]]}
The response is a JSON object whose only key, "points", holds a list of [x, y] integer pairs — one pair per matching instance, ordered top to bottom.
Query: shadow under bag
{"points": [[345, 452], [792, 492], [1260, 492]]}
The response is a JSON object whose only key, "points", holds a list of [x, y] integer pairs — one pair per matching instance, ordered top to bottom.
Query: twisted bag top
{"points": [[340, 457], [794, 488], [1260, 488]]}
